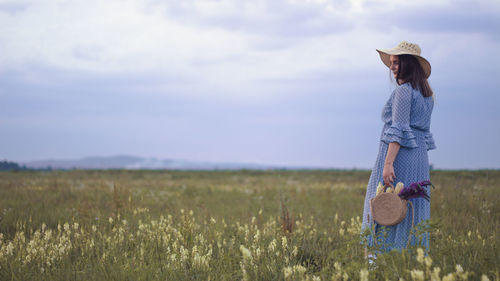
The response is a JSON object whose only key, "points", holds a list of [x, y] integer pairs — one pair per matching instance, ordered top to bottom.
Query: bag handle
{"points": [[390, 185]]}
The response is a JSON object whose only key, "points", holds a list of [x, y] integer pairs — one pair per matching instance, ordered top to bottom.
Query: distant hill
{"points": [[133, 162]]}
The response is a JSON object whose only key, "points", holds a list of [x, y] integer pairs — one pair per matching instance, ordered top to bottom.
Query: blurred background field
{"points": [[313, 216]]}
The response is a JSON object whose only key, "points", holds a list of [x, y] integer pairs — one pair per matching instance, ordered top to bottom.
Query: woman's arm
{"points": [[388, 173]]}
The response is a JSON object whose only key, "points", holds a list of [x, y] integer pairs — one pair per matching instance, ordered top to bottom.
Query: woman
{"points": [[404, 143]]}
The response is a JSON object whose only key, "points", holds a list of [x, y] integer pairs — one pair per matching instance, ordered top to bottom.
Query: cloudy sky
{"points": [[289, 82]]}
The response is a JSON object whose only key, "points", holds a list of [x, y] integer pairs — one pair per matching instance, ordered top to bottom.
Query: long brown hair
{"points": [[411, 71]]}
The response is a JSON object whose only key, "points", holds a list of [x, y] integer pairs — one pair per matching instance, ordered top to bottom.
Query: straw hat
{"points": [[405, 48]]}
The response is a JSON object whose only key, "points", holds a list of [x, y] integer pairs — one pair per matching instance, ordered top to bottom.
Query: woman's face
{"points": [[394, 65]]}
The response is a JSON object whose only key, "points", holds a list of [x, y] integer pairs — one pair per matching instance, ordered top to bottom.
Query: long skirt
{"points": [[411, 165]]}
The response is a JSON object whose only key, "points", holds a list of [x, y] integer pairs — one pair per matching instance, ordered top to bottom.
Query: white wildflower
{"points": [[399, 187], [380, 188], [256, 237], [272, 245], [10, 249], [247, 255], [420, 255], [428, 261], [299, 270], [287, 271], [363, 275], [417, 275], [435, 275], [449, 277], [484, 278]]}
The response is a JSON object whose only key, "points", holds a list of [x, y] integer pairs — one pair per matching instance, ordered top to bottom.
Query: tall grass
{"points": [[226, 225]]}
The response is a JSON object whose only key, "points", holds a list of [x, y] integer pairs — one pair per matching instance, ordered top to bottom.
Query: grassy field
{"points": [[232, 225]]}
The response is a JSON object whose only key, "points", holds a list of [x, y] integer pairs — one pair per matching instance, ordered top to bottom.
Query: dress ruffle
{"points": [[401, 134], [429, 141]]}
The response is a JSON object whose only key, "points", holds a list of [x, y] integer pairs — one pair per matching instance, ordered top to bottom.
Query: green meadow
{"points": [[233, 225]]}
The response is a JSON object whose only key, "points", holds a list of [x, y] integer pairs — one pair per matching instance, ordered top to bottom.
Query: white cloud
{"points": [[106, 36], [126, 36], [222, 45]]}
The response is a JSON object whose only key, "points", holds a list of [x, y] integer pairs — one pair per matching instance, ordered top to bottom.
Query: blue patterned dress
{"points": [[407, 119]]}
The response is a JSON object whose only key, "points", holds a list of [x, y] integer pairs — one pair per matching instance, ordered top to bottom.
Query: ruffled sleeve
{"points": [[399, 130], [401, 134], [429, 141]]}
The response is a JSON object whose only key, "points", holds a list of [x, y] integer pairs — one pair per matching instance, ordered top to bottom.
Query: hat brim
{"points": [[386, 53]]}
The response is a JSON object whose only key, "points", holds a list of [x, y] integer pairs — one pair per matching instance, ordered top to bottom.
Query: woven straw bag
{"points": [[388, 208]]}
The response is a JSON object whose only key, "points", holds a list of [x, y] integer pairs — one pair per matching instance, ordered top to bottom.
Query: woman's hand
{"points": [[388, 174]]}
